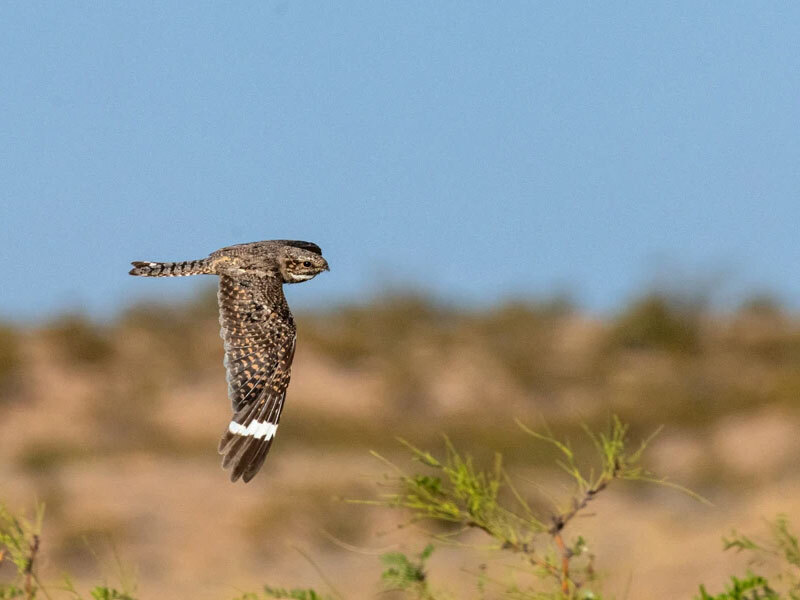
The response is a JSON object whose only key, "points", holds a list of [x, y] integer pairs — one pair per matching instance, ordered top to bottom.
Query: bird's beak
{"points": [[327, 268]]}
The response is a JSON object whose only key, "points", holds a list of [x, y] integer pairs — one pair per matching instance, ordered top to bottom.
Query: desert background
{"points": [[535, 213], [114, 427]]}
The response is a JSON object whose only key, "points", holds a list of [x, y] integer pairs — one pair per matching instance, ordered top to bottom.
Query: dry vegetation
{"points": [[114, 427]]}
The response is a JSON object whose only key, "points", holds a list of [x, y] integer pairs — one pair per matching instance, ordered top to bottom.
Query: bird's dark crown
{"points": [[310, 246]]}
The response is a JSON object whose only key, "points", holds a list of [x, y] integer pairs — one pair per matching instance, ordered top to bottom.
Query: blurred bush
{"points": [[658, 322], [355, 334], [397, 335], [408, 337], [521, 337], [179, 339], [77, 340], [10, 355], [689, 365], [47, 456]]}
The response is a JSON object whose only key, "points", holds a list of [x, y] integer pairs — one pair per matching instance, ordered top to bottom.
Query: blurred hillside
{"points": [[115, 427]]}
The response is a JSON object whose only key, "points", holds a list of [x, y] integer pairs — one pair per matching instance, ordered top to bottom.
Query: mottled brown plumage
{"points": [[258, 332]]}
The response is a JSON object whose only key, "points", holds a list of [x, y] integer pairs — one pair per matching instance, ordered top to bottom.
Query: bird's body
{"points": [[258, 332]]}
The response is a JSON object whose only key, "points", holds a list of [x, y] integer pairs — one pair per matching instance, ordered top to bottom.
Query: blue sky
{"points": [[477, 150]]}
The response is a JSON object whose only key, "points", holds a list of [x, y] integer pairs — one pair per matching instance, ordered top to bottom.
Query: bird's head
{"points": [[301, 261]]}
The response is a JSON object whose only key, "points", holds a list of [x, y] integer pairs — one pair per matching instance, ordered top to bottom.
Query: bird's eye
{"points": [[307, 263]]}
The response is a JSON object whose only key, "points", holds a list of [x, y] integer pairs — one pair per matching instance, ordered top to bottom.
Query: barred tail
{"points": [[172, 269]]}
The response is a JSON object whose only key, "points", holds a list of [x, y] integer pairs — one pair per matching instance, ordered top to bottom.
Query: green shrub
{"points": [[20, 540], [779, 552], [752, 587]]}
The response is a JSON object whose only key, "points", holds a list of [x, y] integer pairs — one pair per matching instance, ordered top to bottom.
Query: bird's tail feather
{"points": [[172, 269]]}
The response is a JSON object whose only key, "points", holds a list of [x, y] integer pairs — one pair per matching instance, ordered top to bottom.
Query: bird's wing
{"points": [[259, 336]]}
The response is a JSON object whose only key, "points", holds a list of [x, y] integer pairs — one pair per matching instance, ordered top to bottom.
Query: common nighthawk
{"points": [[258, 333]]}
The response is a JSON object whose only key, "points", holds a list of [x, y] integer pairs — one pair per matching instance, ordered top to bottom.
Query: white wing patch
{"points": [[257, 430]]}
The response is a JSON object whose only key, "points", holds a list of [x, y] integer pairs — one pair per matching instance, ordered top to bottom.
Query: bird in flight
{"points": [[258, 332]]}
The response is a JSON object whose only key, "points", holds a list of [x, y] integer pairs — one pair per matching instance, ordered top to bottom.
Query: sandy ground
{"points": [[171, 515]]}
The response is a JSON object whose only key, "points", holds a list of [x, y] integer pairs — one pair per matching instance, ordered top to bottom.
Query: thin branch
{"points": [[560, 521], [33, 549], [566, 554]]}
